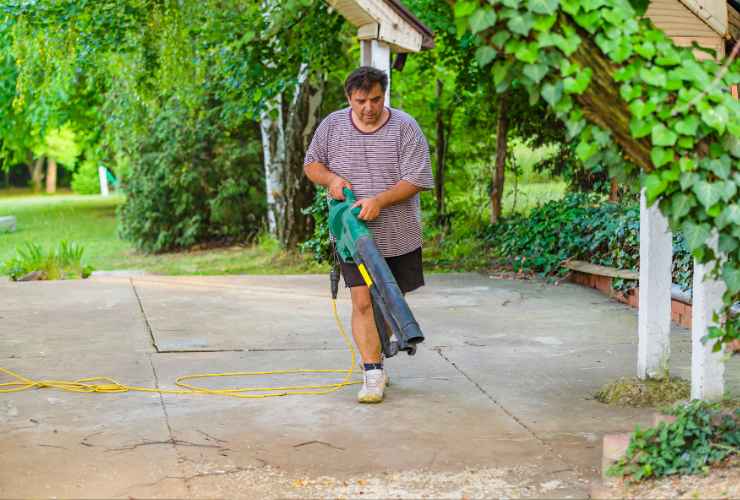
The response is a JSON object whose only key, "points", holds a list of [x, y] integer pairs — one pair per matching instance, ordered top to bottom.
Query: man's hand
{"points": [[336, 186], [370, 208]]}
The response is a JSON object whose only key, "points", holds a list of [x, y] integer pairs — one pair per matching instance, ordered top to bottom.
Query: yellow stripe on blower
{"points": [[365, 275]]}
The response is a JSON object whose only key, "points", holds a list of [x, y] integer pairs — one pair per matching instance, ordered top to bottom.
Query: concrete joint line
{"points": [[146, 319], [188, 351], [172, 439], [544, 443]]}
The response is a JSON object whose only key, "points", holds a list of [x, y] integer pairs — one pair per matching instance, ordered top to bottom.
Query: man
{"points": [[382, 155]]}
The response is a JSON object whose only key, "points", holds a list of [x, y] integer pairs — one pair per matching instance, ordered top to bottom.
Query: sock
{"points": [[372, 366]]}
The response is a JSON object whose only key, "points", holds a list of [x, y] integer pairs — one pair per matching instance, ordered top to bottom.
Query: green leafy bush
{"points": [[85, 180], [193, 182], [584, 227], [318, 245], [63, 263], [702, 435]]}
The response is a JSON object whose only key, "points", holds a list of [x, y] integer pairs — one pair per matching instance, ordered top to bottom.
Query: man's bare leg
{"points": [[363, 325], [368, 343]]}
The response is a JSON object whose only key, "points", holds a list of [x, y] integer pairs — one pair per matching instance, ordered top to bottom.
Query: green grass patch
{"points": [[525, 159], [529, 188], [523, 198], [90, 221], [32, 262], [639, 393]]}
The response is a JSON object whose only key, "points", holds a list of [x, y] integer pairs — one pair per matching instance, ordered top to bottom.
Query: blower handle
{"points": [[349, 197]]}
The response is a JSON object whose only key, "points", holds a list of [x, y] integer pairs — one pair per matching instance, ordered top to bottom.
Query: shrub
{"points": [[85, 179], [194, 181], [318, 245], [63, 263]]}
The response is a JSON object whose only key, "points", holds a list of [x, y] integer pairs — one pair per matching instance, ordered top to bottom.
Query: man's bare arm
{"points": [[319, 174], [401, 191]]}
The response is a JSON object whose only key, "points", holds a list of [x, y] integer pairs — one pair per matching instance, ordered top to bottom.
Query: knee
{"points": [[362, 306]]}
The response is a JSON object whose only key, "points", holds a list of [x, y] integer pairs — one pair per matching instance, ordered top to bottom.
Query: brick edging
{"points": [[680, 311]]}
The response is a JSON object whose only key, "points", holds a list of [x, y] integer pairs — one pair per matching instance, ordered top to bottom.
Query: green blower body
{"points": [[396, 325]]}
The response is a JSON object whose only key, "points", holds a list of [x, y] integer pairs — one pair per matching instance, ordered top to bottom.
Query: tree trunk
{"points": [[603, 105], [502, 129], [285, 138], [273, 149], [37, 174], [51, 176], [439, 180], [614, 190]]}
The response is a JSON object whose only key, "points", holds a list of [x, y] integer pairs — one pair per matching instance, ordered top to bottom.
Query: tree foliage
{"points": [[625, 89], [166, 93]]}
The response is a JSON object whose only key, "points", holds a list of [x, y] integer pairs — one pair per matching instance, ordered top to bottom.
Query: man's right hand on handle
{"points": [[336, 186]]}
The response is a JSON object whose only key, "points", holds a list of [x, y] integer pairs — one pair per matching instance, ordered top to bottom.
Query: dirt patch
{"points": [[511, 482], [720, 482]]}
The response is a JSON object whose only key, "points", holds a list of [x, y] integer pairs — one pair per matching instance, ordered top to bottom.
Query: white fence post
{"points": [[103, 176], [654, 313], [707, 367]]}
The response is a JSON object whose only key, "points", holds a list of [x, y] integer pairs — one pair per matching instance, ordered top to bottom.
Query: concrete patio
{"points": [[497, 402]]}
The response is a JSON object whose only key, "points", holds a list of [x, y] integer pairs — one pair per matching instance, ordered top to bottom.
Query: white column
{"points": [[378, 55], [103, 177], [654, 313], [707, 367]]}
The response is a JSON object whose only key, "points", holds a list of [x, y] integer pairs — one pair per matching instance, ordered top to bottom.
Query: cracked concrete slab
{"points": [[222, 313], [497, 402], [440, 425]]}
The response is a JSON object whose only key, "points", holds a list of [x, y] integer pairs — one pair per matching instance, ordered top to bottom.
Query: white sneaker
{"points": [[387, 376], [373, 387]]}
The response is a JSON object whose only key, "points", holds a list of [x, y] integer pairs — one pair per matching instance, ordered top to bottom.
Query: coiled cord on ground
{"points": [[109, 385]]}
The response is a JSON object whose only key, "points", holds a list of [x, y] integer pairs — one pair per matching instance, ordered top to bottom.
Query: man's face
{"points": [[368, 106]]}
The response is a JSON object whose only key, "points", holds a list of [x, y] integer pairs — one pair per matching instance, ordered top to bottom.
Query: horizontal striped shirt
{"points": [[374, 162]]}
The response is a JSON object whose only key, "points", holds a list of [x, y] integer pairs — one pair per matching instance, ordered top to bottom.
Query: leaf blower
{"points": [[397, 328]]}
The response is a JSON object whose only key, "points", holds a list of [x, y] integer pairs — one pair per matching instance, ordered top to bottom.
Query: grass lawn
{"points": [[533, 188], [530, 195], [91, 222]]}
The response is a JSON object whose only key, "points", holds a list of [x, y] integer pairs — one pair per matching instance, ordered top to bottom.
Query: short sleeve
{"points": [[317, 150], [416, 166]]}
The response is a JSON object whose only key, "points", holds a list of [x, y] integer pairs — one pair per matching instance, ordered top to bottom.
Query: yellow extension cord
{"points": [[109, 385]]}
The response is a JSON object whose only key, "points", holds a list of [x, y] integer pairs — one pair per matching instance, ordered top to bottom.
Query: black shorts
{"points": [[406, 269]]}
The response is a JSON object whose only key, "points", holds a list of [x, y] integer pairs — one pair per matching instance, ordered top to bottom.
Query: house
{"points": [[714, 24]]}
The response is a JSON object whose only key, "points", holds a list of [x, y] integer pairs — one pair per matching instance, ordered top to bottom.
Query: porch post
{"points": [[378, 55], [654, 313], [707, 367]]}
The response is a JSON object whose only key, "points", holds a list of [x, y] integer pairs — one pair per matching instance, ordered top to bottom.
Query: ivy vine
{"points": [[657, 116]]}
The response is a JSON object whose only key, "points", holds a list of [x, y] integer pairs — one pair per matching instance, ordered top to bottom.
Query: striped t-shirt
{"points": [[374, 162]]}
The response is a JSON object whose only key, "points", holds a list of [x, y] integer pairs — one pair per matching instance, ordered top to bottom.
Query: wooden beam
{"points": [[712, 12], [392, 28], [368, 31]]}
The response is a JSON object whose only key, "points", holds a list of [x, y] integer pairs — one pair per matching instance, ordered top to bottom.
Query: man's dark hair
{"points": [[364, 78]]}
